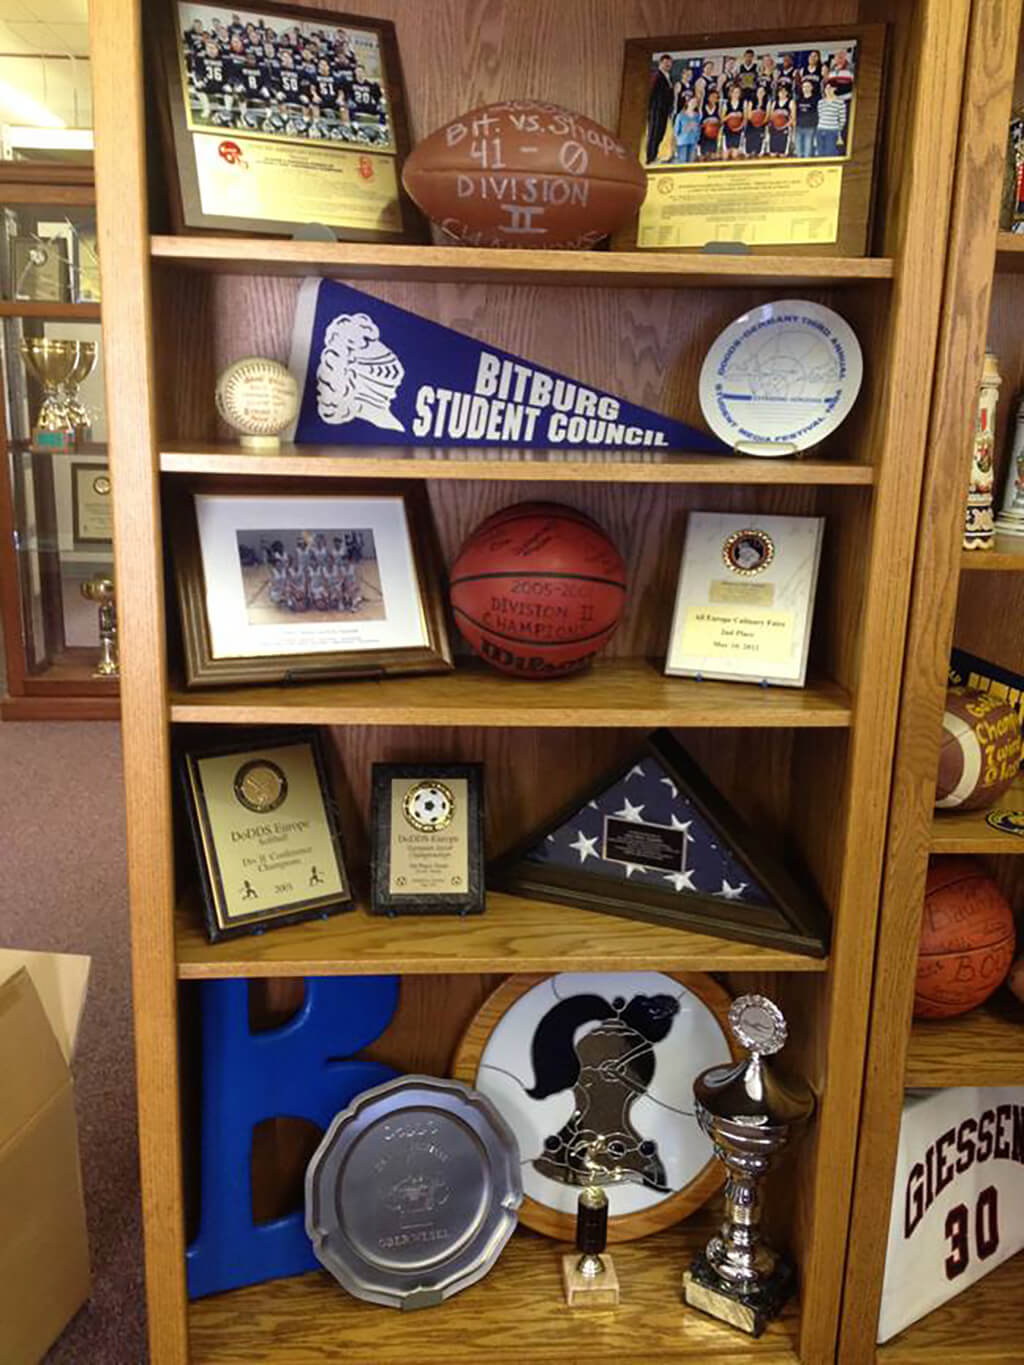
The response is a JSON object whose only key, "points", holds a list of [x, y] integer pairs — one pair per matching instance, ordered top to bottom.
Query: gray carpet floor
{"points": [[64, 890]]}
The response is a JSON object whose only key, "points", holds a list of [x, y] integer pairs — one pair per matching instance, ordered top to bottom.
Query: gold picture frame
{"points": [[406, 583]]}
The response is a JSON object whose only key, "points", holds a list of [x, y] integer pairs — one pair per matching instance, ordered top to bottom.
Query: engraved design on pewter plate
{"points": [[758, 1024], [415, 1192]]}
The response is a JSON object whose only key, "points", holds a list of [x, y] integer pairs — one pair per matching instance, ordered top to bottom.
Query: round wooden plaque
{"points": [[603, 1062]]}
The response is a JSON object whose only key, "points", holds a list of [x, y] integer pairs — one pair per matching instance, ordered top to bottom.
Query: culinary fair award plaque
{"points": [[746, 598], [265, 833], [427, 849]]}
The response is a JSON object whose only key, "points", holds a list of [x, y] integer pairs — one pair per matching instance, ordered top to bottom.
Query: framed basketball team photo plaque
{"points": [[278, 105], [760, 140], [280, 589], [267, 844]]}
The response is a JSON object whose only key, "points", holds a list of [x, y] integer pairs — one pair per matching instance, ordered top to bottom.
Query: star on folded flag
{"points": [[630, 812], [586, 848], [731, 893]]}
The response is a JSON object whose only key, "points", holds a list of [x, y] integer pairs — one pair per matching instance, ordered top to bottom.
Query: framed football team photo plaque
{"points": [[278, 105], [759, 140], [280, 589], [266, 835]]}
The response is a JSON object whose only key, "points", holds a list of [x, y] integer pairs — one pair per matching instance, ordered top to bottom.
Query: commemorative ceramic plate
{"points": [[781, 378], [594, 1072], [413, 1192]]}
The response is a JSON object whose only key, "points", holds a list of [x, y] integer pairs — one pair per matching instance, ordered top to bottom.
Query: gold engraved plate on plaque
{"points": [[243, 178], [766, 206], [750, 594], [738, 632], [429, 837], [272, 845]]}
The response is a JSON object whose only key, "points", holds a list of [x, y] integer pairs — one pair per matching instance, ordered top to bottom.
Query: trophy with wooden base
{"points": [[749, 1113]]}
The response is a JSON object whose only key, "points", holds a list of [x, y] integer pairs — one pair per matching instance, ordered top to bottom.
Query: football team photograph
{"points": [[266, 74], [743, 104]]}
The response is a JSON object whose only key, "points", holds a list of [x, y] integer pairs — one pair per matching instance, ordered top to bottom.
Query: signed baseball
{"points": [[525, 174], [259, 398]]}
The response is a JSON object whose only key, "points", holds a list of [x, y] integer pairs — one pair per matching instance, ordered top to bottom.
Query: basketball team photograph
{"points": [[263, 74], [753, 103], [312, 576]]}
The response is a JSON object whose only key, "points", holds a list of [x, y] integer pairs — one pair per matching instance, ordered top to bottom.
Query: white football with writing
{"points": [[525, 174]]}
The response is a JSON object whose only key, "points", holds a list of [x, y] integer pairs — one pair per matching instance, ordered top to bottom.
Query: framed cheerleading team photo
{"points": [[278, 105], [761, 141], [277, 589]]}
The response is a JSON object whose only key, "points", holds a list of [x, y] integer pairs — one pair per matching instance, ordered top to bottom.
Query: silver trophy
{"points": [[1010, 521], [749, 1113]]}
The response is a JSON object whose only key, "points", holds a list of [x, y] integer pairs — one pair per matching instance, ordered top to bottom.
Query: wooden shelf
{"points": [[1010, 251], [463, 264], [33, 308], [551, 466], [1007, 553], [615, 692], [968, 831], [513, 935], [984, 1047], [515, 1314], [983, 1324]]}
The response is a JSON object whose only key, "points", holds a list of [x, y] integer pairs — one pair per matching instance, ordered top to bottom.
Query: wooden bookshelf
{"points": [[480, 265], [549, 466], [1007, 555], [953, 602], [615, 692], [809, 766], [969, 831], [513, 934], [983, 1047], [502, 1319], [983, 1325]]}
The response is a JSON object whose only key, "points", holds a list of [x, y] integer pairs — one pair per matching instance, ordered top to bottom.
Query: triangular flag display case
{"points": [[806, 769], [655, 841]]}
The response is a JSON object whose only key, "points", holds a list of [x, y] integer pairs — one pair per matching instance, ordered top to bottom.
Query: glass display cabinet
{"points": [[56, 550]]}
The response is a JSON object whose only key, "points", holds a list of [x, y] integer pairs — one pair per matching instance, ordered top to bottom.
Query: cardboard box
{"points": [[44, 1252]]}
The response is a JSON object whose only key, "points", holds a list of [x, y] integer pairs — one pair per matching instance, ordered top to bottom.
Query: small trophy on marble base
{"points": [[1010, 521], [100, 590], [749, 1113], [589, 1274]]}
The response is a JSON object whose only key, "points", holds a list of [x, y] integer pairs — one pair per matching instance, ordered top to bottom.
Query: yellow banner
{"points": [[241, 177], [767, 205], [738, 633]]}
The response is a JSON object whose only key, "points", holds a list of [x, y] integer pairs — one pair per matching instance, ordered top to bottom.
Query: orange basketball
{"points": [[538, 589], [967, 939]]}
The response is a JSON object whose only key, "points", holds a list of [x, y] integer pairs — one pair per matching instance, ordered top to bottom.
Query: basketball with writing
{"points": [[525, 174]]}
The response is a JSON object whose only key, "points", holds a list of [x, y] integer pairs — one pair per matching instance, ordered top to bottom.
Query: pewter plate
{"points": [[413, 1192]]}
